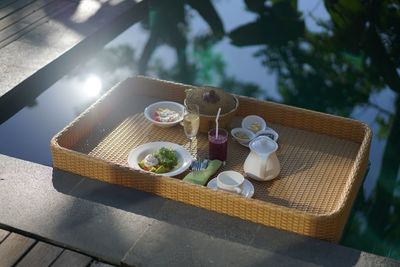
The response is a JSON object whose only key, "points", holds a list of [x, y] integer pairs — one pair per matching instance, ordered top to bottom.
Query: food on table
{"points": [[165, 115], [255, 127], [242, 135], [150, 161], [162, 161]]}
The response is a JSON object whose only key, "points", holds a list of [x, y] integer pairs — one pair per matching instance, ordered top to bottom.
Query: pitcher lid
{"points": [[263, 145]]}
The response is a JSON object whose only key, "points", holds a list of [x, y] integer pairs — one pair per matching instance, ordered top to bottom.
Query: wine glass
{"points": [[191, 121]]}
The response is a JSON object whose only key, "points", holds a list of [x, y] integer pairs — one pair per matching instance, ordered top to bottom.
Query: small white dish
{"points": [[150, 110], [254, 123], [235, 132], [269, 132], [139, 153], [230, 181], [247, 187]]}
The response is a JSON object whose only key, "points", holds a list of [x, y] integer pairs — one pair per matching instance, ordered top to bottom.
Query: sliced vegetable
{"points": [[143, 166], [161, 169]]}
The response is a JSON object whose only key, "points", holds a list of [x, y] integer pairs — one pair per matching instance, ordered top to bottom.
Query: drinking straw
{"points": [[216, 123]]}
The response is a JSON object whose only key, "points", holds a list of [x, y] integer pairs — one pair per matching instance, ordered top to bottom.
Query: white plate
{"points": [[140, 152], [247, 187]]}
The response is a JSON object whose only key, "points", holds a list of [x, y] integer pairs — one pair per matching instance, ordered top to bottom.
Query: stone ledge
{"points": [[122, 225]]}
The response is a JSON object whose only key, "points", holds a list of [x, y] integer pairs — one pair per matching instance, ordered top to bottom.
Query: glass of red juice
{"points": [[217, 145]]}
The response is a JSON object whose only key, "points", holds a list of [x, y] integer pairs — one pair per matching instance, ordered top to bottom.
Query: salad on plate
{"points": [[162, 161]]}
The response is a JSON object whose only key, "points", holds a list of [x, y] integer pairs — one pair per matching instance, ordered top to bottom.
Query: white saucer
{"points": [[247, 187]]}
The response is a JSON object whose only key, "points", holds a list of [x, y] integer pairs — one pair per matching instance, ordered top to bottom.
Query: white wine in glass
{"points": [[191, 121], [191, 124]]}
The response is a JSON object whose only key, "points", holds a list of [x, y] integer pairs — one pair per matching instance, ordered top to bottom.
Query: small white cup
{"points": [[230, 181]]}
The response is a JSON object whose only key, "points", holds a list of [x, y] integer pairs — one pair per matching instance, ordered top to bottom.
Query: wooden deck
{"points": [[19, 17], [34, 33], [21, 251]]}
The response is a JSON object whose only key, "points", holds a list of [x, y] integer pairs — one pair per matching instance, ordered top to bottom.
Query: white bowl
{"points": [[151, 109], [251, 120], [269, 133], [242, 141]]}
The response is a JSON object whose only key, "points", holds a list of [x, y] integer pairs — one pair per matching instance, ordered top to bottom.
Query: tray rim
{"points": [[359, 161]]}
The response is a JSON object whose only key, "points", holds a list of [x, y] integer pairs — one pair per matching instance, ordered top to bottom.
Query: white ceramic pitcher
{"points": [[262, 164]]}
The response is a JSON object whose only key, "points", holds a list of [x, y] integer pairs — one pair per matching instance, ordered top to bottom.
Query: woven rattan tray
{"points": [[323, 158]]}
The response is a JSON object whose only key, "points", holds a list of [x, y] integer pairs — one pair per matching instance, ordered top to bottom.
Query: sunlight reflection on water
{"points": [[92, 86]]}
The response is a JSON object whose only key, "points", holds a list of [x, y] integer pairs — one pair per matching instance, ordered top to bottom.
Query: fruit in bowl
{"points": [[164, 113]]}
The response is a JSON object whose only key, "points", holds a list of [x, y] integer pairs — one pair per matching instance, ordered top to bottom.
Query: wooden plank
{"points": [[5, 3], [12, 7], [22, 13], [34, 20], [3, 235], [13, 248], [42, 254], [71, 258]]}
